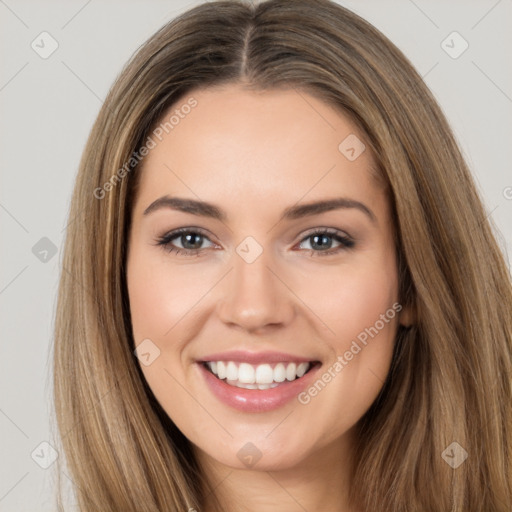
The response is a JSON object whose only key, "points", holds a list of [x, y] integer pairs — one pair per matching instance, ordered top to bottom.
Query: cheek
{"points": [[160, 296], [350, 298], [363, 298], [148, 300], [159, 303], [359, 306], [364, 317], [368, 327]]}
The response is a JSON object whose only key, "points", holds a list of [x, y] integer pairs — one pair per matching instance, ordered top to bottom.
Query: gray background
{"points": [[48, 107]]}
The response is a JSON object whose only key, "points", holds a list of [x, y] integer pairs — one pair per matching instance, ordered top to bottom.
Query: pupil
{"points": [[191, 236], [323, 238]]}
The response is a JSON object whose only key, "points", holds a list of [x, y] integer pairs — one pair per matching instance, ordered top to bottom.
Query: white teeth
{"points": [[302, 369], [221, 370], [231, 371], [291, 371], [280, 372], [246, 373], [264, 374], [261, 376], [239, 384], [268, 386]]}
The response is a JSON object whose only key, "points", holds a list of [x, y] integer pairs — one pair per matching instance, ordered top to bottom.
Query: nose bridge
{"points": [[253, 296]]}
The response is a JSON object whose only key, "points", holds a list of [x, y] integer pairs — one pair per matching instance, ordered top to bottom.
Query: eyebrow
{"points": [[204, 209]]}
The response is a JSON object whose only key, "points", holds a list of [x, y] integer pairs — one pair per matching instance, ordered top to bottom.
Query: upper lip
{"points": [[243, 356]]}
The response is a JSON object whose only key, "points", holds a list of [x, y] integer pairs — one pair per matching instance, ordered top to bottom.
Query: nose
{"points": [[255, 298]]}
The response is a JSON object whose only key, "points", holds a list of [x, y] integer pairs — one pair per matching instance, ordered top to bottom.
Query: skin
{"points": [[253, 154]]}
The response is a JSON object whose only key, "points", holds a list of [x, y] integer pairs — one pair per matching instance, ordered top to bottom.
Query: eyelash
{"points": [[165, 241]]}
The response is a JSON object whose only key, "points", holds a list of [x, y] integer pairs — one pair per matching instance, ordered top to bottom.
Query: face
{"points": [[231, 270]]}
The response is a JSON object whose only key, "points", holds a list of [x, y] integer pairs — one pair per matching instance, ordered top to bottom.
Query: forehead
{"points": [[248, 148]]}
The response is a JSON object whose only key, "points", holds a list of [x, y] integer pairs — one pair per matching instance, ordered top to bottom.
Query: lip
{"points": [[242, 356], [257, 400]]}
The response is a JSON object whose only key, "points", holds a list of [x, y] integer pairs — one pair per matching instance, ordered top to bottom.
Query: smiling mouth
{"points": [[261, 376]]}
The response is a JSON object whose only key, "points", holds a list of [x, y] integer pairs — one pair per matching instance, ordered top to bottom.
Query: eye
{"points": [[190, 238], [322, 238]]}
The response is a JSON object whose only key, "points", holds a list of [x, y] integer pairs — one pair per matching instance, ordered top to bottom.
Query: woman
{"points": [[205, 357]]}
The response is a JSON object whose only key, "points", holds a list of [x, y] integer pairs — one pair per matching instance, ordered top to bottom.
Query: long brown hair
{"points": [[450, 379]]}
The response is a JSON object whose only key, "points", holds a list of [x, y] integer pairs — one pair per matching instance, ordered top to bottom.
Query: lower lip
{"points": [[257, 400]]}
